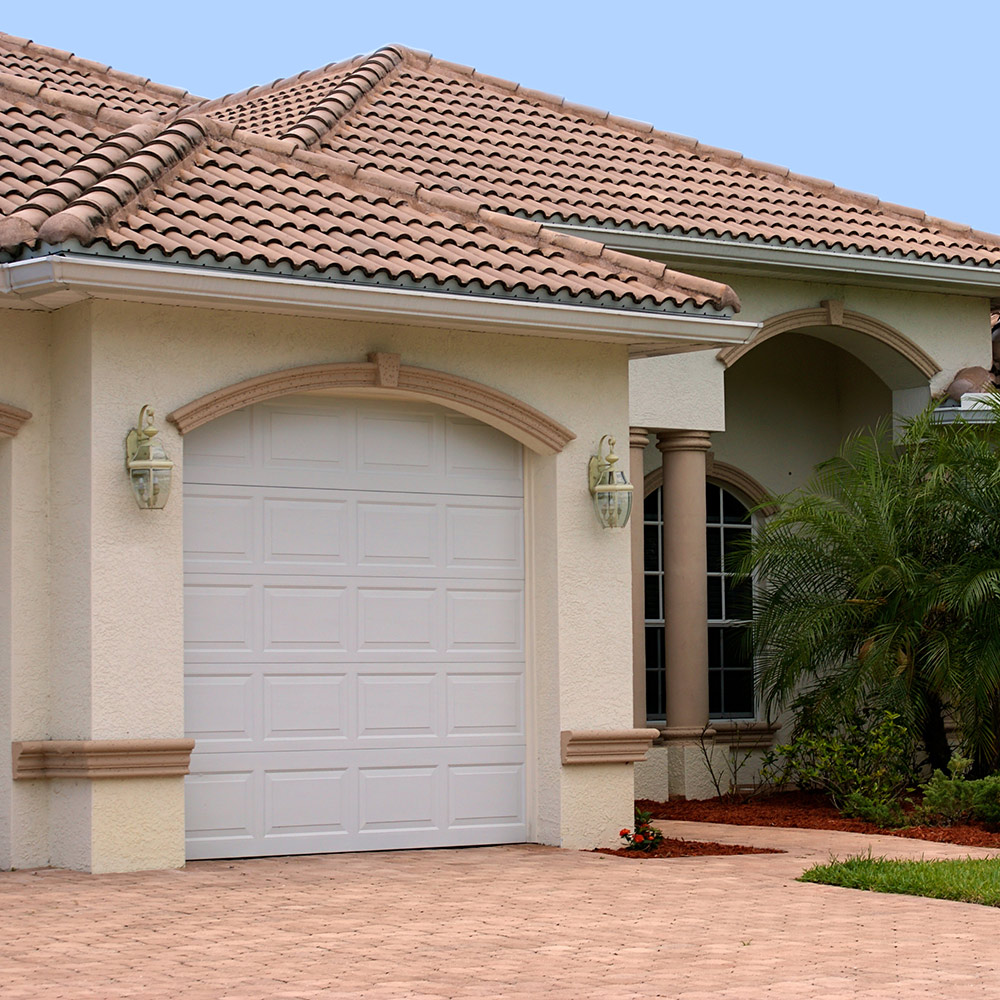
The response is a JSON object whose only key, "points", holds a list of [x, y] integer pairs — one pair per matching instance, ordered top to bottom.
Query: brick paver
{"points": [[510, 922]]}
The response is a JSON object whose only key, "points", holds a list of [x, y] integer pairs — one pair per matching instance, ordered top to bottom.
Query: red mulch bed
{"points": [[811, 811], [672, 848]]}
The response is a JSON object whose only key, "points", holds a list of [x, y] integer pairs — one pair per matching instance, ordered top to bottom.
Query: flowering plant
{"points": [[645, 837]]}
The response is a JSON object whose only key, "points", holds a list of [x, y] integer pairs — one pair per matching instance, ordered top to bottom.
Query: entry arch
{"points": [[894, 357]]}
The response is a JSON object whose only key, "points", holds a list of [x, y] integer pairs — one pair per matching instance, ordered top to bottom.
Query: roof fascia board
{"points": [[796, 262], [54, 281]]}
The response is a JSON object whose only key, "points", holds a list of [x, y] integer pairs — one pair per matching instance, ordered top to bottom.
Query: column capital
{"points": [[638, 437], [683, 441]]}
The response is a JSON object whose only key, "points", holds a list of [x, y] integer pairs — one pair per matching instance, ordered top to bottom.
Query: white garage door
{"points": [[354, 630]]}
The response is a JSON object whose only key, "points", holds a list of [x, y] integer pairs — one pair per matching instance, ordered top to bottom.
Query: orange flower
{"points": [[623, 833], [639, 838]]}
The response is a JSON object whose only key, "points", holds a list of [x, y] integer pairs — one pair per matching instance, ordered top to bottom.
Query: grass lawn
{"points": [[968, 880]]}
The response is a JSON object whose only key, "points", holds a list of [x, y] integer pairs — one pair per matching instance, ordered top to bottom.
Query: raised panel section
{"points": [[304, 438], [225, 443], [392, 443], [476, 448], [218, 529], [305, 531], [397, 534], [485, 537], [218, 617], [305, 617], [396, 619], [486, 620], [485, 703], [400, 705], [305, 706], [218, 707], [485, 794], [397, 798], [306, 801], [220, 804]]}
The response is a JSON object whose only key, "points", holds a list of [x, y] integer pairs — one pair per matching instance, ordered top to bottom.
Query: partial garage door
{"points": [[354, 630]]}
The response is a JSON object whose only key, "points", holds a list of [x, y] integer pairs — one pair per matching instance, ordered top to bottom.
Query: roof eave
{"points": [[801, 263], [53, 281]]}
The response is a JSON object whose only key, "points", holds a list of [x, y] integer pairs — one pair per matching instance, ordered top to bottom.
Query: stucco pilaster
{"points": [[638, 440]]}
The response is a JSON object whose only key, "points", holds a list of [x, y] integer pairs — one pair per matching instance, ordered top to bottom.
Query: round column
{"points": [[637, 442], [684, 588]]}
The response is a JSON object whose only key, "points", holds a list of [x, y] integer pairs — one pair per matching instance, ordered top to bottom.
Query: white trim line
{"points": [[775, 260], [53, 281]]}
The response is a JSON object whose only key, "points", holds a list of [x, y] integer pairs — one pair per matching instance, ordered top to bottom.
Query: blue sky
{"points": [[897, 99]]}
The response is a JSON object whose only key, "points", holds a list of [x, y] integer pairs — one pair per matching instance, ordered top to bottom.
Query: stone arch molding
{"points": [[831, 312], [383, 375], [734, 479]]}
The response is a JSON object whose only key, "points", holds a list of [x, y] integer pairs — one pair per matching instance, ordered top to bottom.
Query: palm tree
{"points": [[881, 582]]}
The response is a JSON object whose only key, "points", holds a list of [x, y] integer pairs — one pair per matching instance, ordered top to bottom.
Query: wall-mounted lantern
{"points": [[149, 468], [610, 488]]}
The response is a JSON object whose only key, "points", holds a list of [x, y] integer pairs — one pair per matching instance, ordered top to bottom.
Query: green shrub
{"points": [[862, 765], [953, 798], [881, 813]]}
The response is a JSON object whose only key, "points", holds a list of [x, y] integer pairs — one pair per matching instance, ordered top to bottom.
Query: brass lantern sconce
{"points": [[149, 468], [610, 488]]}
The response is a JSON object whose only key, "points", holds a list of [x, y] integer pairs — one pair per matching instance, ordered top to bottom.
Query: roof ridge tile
{"points": [[344, 97], [119, 186], [21, 225]]}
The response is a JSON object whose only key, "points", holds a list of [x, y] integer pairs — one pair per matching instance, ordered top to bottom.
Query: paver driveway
{"points": [[495, 922]]}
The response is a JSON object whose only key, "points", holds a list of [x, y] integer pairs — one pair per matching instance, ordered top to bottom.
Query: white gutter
{"points": [[778, 261], [53, 281]]}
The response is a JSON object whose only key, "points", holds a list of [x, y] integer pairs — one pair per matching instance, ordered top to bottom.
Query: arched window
{"points": [[730, 667]]}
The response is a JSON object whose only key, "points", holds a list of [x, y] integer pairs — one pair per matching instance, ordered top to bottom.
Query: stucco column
{"points": [[637, 442], [685, 605]]}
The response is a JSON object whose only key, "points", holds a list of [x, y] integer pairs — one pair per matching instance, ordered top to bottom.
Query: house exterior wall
{"points": [[687, 391], [116, 572]]}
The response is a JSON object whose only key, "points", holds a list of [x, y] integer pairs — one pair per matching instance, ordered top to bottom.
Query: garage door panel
{"points": [[288, 436], [392, 440], [474, 448], [219, 528], [305, 530], [398, 534], [219, 616], [305, 617], [392, 618], [485, 620], [354, 639], [481, 703], [399, 705], [306, 707], [220, 708], [486, 795], [308, 801]]}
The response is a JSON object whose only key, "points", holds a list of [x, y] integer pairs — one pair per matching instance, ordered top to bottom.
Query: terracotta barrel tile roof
{"points": [[398, 168]]}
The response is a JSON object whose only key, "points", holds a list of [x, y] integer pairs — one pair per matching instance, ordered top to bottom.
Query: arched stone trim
{"points": [[833, 313], [384, 376], [11, 419], [729, 476], [742, 485]]}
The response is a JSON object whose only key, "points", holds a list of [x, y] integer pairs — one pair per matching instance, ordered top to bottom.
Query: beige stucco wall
{"points": [[116, 572], [24, 583]]}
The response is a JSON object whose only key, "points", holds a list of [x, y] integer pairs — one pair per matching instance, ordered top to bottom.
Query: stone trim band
{"points": [[384, 375], [11, 419], [605, 746], [100, 758]]}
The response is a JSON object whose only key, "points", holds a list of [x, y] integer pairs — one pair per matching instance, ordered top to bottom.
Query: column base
{"points": [[691, 757]]}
